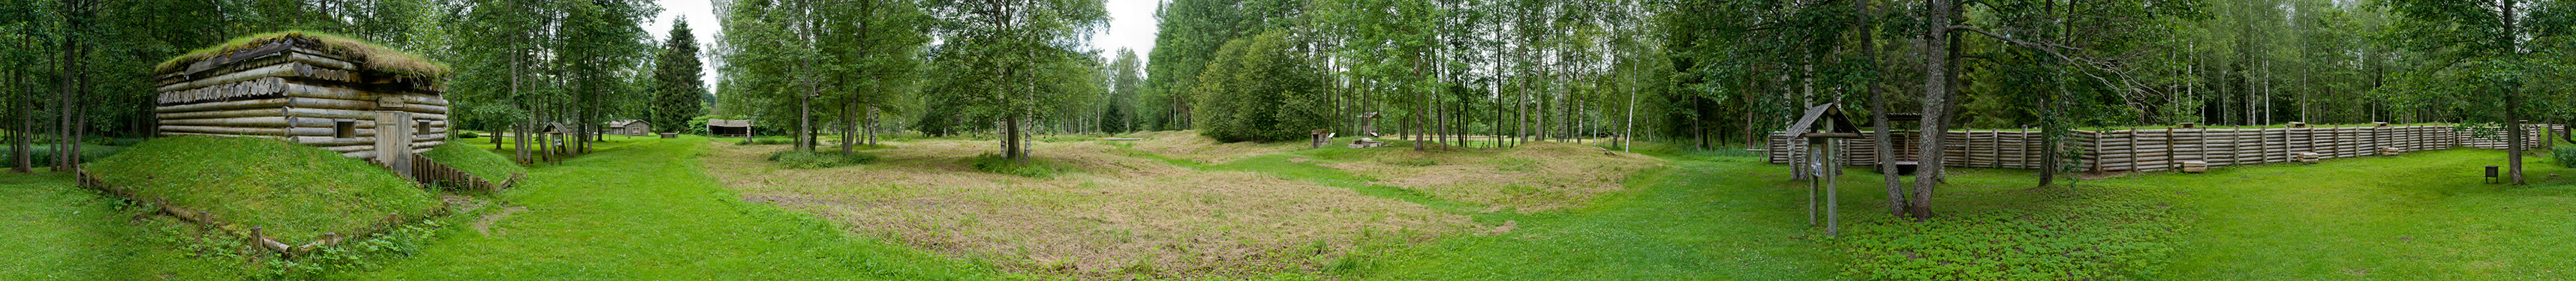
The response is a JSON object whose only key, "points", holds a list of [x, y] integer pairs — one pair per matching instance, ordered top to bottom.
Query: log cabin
{"points": [[344, 95]]}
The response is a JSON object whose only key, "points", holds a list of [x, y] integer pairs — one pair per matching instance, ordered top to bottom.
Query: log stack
{"points": [[324, 91]]}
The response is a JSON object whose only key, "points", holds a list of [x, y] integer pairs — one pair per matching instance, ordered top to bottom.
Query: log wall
{"points": [[297, 95], [2149, 150]]}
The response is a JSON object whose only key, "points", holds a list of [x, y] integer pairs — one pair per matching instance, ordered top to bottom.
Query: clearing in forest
{"points": [[1175, 204]]}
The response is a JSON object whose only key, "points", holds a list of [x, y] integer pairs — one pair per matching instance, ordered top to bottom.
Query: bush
{"points": [[1257, 90], [468, 135], [768, 141], [44, 153], [2565, 155], [816, 160], [483, 163], [1035, 168]]}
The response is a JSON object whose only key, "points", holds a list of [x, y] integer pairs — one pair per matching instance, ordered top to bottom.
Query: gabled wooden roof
{"points": [[1824, 120], [728, 123]]}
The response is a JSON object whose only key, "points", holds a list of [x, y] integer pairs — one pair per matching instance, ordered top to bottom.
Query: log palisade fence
{"points": [[2147, 150]]}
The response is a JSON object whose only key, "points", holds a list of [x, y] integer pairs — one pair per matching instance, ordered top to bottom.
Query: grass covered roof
{"points": [[368, 56], [295, 192]]}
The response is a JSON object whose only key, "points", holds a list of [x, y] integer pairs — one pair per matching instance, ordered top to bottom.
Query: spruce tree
{"points": [[676, 88]]}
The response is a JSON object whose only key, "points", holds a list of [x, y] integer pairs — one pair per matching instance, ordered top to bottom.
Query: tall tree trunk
{"points": [[2513, 97], [1936, 98], [22, 105], [872, 124], [1880, 139]]}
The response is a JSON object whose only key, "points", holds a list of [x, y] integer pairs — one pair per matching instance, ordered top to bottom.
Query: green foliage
{"points": [[367, 55], [831, 62], [677, 82], [1259, 91], [767, 141], [41, 154], [2565, 155], [816, 160], [483, 163], [1033, 168], [296, 192], [2098, 234]]}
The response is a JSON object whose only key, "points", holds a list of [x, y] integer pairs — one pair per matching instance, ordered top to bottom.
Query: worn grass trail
{"points": [[646, 210], [1695, 220], [1684, 224]]}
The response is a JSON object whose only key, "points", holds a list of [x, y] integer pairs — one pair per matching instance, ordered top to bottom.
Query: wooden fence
{"points": [[2166, 149], [430, 172]]}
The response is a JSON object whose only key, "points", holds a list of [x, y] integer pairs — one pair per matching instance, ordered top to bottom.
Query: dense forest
{"points": [[1706, 74]]}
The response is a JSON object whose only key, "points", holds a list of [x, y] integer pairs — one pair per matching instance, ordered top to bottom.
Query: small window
{"points": [[344, 129], [421, 129]]}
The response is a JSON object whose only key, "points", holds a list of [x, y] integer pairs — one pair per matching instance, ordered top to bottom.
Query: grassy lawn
{"points": [[294, 192], [642, 209], [2420, 216], [58, 232]]}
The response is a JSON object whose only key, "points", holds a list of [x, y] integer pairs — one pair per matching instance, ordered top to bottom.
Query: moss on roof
{"points": [[367, 56]]}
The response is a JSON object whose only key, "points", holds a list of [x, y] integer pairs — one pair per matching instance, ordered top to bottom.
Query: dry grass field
{"points": [[1536, 177], [1114, 215]]}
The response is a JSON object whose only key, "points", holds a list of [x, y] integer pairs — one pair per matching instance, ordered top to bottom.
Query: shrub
{"points": [[1257, 90], [468, 135], [768, 141], [44, 153], [2565, 155], [815, 160], [483, 163], [1035, 168]]}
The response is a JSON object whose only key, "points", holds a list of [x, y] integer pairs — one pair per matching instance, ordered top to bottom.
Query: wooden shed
{"points": [[336, 93], [630, 127], [729, 128]]}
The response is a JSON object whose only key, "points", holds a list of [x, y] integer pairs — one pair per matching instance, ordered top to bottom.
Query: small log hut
{"points": [[335, 93]]}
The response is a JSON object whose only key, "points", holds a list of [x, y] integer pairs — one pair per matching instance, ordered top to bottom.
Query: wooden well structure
{"points": [[358, 99], [1821, 126]]}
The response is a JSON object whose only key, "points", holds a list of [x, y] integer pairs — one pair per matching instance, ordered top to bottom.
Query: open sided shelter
{"points": [[340, 94], [630, 127], [729, 128]]}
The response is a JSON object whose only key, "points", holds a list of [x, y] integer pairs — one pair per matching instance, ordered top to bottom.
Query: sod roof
{"points": [[366, 55], [295, 192]]}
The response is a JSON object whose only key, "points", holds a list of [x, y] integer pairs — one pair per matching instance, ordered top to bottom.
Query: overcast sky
{"points": [[701, 15], [1131, 26]]}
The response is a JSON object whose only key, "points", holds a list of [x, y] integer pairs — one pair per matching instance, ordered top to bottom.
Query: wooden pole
{"points": [[1811, 182], [1833, 206]]}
